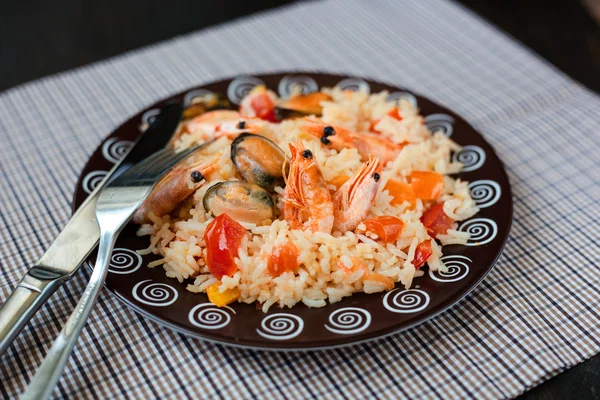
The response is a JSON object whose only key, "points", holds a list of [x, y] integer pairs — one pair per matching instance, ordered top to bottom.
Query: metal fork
{"points": [[116, 204]]}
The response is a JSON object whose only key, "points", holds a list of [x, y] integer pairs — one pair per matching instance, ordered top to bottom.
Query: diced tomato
{"points": [[263, 106], [394, 113], [270, 116], [373, 125], [427, 185], [401, 192], [436, 221], [388, 228], [223, 238], [422, 254], [283, 259]]}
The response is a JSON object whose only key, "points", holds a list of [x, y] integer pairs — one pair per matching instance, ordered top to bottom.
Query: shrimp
{"points": [[302, 105], [218, 123], [367, 144], [177, 185], [354, 198], [306, 200]]}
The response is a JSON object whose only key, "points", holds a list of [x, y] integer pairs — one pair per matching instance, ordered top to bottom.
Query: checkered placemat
{"points": [[535, 315]]}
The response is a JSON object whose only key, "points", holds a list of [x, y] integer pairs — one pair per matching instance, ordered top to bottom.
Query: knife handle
{"points": [[23, 303]]}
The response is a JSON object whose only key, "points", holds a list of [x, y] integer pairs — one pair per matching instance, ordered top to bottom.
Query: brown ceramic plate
{"points": [[355, 319]]}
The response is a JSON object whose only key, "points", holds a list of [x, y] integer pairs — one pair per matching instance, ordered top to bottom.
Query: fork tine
{"points": [[185, 154], [153, 160], [170, 161], [166, 163], [158, 164], [144, 166], [161, 166], [152, 167]]}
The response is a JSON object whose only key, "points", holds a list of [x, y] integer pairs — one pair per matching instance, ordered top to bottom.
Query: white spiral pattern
{"points": [[288, 83], [355, 85], [239, 88], [403, 95], [189, 97], [148, 117], [440, 123], [114, 149], [472, 157], [92, 179], [485, 192], [482, 230], [124, 261], [457, 269], [155, 294], [406, 301], [209, 316], [348, 320], [280, 326]]}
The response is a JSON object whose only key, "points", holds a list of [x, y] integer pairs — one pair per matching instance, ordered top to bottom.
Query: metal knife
{"points": [[78, 238]]}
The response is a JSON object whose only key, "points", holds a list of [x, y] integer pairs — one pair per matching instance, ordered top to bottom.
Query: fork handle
{"points": [[30, 294], [47, 375]]}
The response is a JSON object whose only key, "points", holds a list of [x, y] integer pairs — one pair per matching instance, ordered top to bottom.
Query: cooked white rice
{"points": [[321, 277]]}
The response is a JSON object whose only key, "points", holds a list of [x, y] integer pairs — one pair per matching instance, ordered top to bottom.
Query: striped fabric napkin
{"points": [[533, 316]]}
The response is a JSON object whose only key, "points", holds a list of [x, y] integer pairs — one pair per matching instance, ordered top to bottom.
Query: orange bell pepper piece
{"points": [[427, 185], [401, 192]]}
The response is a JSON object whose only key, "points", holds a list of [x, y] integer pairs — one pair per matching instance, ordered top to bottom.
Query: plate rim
{"points": [[305, 347]]}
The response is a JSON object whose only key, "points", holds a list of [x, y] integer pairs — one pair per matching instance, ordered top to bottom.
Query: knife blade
{"points": [[78, 238]]}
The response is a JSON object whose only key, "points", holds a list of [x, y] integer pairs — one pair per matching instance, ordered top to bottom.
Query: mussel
{"points": [[208, 102], [301, 106], [258, 160], [244, 202]]}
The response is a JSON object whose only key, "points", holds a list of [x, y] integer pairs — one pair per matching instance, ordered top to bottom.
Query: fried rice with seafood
{"points": [[306, 199]]}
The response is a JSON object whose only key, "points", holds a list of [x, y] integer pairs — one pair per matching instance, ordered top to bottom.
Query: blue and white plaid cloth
{"points": [[533, 316]]}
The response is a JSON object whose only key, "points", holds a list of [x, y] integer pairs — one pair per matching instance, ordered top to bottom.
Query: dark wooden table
{"points": [[39, 38]]}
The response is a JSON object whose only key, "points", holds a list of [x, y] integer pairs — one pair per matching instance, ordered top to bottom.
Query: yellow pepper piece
{"points": [[221, 299]]}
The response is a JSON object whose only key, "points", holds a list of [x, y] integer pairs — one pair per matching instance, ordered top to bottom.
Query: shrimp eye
{"points": [[241, 125], [328, 131], [307, 154], [196, 176], [376, 176]]}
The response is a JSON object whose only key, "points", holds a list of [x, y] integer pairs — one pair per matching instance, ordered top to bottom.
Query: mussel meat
{"points": [[208, 102], [301, 106], [258, 160], [244, 202]]}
